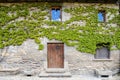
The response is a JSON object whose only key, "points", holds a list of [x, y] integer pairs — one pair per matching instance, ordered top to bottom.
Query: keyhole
{"points": [[57, 47]]}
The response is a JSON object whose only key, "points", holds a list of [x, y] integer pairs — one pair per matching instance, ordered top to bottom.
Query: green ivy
{"points": [[35, 25], [41, 47]]}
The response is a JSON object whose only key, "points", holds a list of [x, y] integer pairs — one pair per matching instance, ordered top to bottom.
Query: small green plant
{"points": [[37, 41], [41, 47]]}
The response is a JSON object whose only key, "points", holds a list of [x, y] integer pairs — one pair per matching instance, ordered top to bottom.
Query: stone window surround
{"points": [[102, 46], [102, 59], [109, 59]]}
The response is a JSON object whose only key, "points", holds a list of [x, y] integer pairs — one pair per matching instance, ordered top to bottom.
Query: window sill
{"points": [[102, 59]]}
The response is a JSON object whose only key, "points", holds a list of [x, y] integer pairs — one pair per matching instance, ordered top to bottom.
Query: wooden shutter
{"points": [[102, 53]]}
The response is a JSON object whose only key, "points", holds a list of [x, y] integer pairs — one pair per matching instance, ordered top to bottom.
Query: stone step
{"points": [[55, 70], [9, 71], [115, 71], [82, 72], [44, 74]]}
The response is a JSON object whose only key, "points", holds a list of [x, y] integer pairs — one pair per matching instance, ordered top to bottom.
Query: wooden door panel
{"points": [[55, 55]]}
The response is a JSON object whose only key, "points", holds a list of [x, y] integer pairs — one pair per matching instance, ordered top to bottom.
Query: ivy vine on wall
{"points": [[19, 22]]}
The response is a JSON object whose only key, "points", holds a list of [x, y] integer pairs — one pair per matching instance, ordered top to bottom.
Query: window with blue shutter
{"points": [[56, 14], [101, 16]]}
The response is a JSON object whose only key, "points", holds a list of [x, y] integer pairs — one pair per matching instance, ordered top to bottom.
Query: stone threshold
{"points": [[55, 72], [44, 74]]}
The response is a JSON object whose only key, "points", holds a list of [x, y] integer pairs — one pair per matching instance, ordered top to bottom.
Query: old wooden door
{"points": [[55, 55]]}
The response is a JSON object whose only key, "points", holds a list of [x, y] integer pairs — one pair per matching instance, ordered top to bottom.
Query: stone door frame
{"points": [[45, 64]]}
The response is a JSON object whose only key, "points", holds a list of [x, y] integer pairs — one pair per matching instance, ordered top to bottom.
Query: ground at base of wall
{"points": [[74, 77]]}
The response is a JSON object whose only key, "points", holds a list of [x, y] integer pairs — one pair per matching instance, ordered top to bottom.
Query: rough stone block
{"points": [[13, 71], [28, 73], [104, 73]]}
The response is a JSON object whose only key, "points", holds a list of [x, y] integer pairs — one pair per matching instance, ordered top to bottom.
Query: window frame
{"points": [[56, 7], [104, 15], [100, 47]]}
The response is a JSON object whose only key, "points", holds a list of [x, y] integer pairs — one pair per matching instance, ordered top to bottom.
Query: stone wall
{"points": [[25, 57], [28, 57], [83, 63]]}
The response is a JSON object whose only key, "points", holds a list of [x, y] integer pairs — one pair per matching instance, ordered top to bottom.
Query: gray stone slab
{"points": [[13, 71], [66, 74]]}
